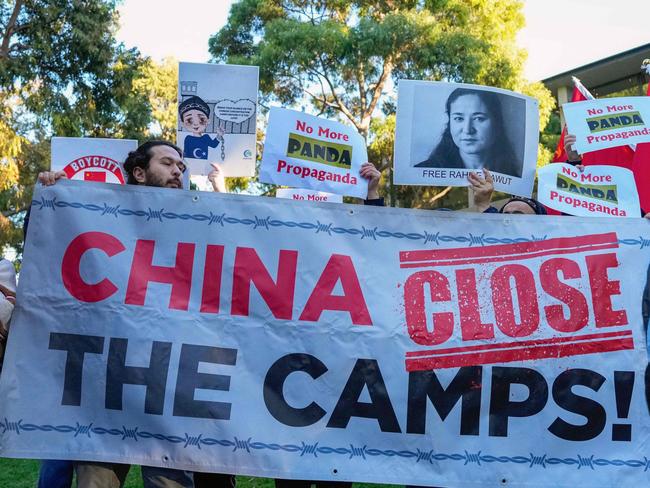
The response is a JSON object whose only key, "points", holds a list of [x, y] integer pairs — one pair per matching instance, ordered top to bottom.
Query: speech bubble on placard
{"points": [[236, 111]]}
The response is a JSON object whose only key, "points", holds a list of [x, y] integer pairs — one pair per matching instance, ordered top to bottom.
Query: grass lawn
{"points": [[23, 473]]}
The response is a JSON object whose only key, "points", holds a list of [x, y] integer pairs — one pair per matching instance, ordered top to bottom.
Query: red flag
{"points": [[577, 96], [559, 156], [95, 176]]}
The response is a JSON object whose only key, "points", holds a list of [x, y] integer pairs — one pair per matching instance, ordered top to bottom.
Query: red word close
{"points": [[557, 315]]}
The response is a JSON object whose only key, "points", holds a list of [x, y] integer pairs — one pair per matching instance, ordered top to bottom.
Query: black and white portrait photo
{"points": [[445, 130]]}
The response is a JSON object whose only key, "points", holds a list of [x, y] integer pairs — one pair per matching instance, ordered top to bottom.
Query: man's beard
{"points": [[151, 179]]}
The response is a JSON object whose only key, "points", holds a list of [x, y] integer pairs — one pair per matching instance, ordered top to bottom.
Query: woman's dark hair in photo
{"points": [[500, 157]]}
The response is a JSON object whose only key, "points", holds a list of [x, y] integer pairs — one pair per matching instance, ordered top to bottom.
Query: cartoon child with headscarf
{"points": [[195, 114]]}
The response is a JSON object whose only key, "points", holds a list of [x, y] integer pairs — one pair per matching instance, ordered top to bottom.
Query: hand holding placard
{"points": [[599, 124], [304, 151]]}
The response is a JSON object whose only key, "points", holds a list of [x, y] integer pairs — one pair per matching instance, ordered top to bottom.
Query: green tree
{"points": [[345, 57], [62, 60], [61, 73], [158, 84]]}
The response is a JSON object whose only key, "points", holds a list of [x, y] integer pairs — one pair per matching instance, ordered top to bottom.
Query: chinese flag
{"points": [[560, 154], [99, 176]]}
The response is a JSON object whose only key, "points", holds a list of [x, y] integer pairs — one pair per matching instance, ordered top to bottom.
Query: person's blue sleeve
{"points": [[490, 209]]}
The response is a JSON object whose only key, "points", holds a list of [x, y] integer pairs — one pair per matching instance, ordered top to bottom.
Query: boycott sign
{"points": [[610, 122], [310, 152], [91, 159], [598, 191], [309, 195], [335, 342]]}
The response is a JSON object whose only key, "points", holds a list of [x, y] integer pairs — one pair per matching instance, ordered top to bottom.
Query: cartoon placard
{"points": [[217, 111], [608, 122], [445, 131], [305, 151], [91, 159], [597, 191], [308, 195]]}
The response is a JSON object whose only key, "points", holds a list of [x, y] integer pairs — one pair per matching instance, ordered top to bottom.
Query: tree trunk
{"points": [[11, 24]]}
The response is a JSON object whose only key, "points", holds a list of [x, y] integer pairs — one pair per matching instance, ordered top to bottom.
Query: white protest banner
{"points": [[217, 114], [608, 122], [446, 130], [305, 151], [91, 159], [598, 191], [308, 195], [255, 336]]}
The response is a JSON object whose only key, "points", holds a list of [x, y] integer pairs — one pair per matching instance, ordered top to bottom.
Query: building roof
{"points": [[607, 75]]}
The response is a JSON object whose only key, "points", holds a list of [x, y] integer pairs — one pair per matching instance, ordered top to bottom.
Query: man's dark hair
{"points": [[141, 156]]}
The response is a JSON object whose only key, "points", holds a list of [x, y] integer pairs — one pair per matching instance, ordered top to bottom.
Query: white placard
{"points": [[217, 114], [609, 122], [446, 130], [304, 151], [91, 159], [598, 191], [307, 195]]}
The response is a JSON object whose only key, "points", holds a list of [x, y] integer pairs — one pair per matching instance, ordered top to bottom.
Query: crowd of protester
{"points": [[160, 164]]}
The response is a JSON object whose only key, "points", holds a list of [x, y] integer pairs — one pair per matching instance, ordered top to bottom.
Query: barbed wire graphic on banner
{"points": [[258, 222], [303, 449]]}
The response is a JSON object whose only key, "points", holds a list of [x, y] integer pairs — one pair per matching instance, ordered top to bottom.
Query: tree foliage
{"points": [[345, 57], [62, 59], [61, 73], [158, 83]]}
